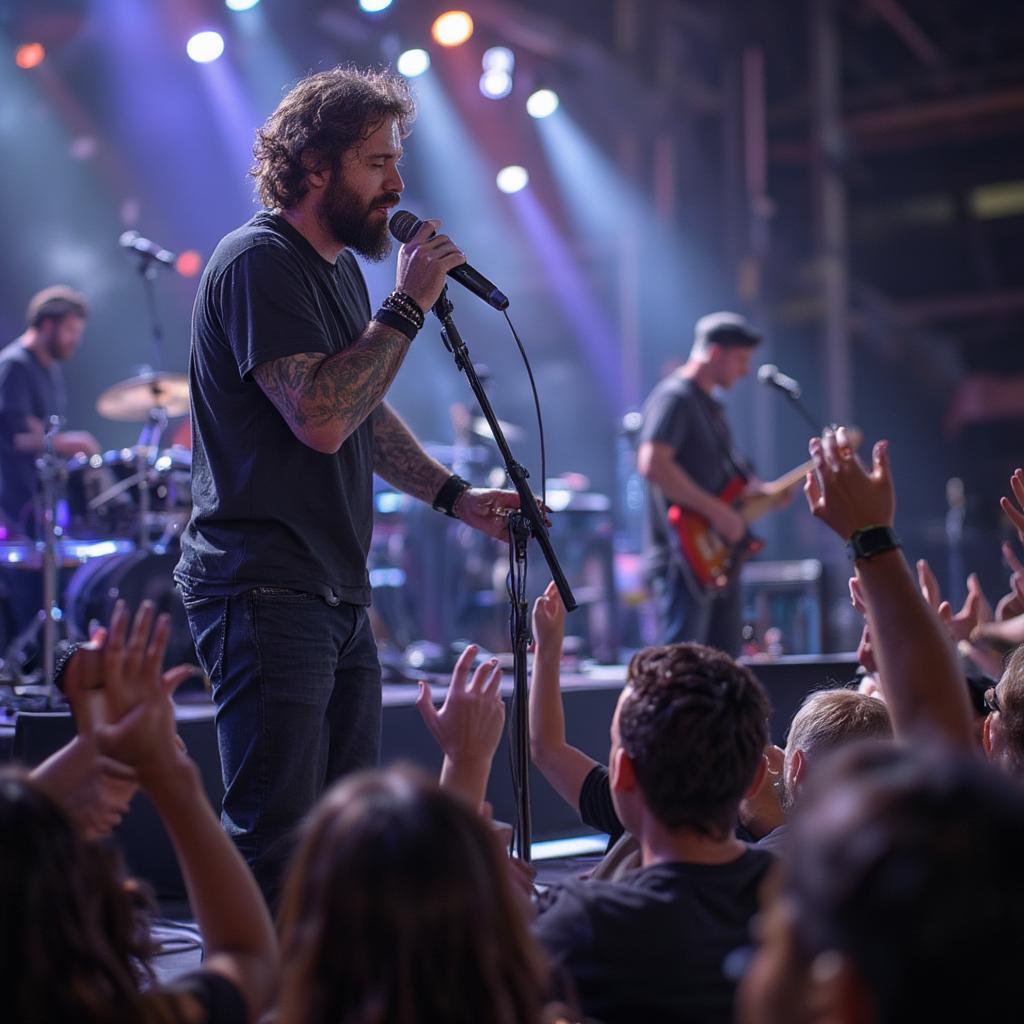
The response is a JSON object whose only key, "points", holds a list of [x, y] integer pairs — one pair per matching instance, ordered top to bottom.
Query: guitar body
{"points": [[712, 561]]}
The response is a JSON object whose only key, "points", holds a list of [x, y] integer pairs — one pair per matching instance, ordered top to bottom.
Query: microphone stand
{"points": [[801, 408], [157, 420], [524, 523]]}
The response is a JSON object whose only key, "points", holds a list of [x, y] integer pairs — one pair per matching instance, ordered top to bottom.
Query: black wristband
{"points": [[402, 324], [451, 490], [870, 541]]}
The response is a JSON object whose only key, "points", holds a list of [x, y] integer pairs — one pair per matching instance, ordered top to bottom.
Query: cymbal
{"points": [[131, 400], [483, 429]]}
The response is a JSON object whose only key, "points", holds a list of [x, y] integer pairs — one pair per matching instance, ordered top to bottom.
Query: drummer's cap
{"points": [[55, 302], [728, 329]]}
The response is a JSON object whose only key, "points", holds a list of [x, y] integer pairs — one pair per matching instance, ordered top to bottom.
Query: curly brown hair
{"points": [[321, 117], [695, 724]]}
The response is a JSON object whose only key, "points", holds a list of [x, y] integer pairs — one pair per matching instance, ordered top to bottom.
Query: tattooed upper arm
{"points": [[286, 382], [325, 398]]}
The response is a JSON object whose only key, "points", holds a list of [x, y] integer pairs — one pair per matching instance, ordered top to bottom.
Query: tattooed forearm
{"points": [[324, 399], [399, 458]]}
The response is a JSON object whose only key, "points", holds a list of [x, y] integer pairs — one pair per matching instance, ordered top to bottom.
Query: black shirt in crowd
{"points": [[27, 388], [679, 413], [268, 509], [660, 944]]}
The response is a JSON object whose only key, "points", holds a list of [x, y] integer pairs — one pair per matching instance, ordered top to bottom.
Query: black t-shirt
{"points": [[27, 388], [682, 415], [268, 509], [596, 807], [657, 945], [219, 997]]}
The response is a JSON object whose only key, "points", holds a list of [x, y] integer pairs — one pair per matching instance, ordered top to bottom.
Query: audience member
{"points": [[826, 721], [686, 745], [900, 892], [398, 909], [71, 944]]}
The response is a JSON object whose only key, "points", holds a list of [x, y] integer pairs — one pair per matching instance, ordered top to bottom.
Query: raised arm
{"points": [[324, 399], [656, 462], [920, 673], [468, 725], [564, 766]]}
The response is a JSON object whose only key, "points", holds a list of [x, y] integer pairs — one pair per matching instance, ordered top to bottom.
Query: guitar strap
{"points": [[730, 454]]}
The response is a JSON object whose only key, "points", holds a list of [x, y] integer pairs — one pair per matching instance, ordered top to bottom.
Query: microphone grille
{"points": [[404, 225], [766, 372]]}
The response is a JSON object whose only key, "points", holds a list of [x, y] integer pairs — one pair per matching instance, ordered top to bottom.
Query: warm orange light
{"points": [[452, 28], [30, 55], [188, 263]]}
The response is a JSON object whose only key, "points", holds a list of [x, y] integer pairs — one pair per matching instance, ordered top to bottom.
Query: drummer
{"points": [[32, 390]]}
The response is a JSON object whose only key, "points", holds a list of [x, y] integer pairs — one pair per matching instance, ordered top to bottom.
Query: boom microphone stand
{"points": [[523, 524]]}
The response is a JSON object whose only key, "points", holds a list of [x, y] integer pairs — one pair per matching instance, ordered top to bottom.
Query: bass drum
{"points": [[134, 577]]}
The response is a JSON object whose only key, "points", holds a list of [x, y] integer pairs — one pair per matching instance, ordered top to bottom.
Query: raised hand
{"points": [[424, 261], [841, 492], [1015, 513], [549, 623], [962, 624], [107, 677], [468, 725]]}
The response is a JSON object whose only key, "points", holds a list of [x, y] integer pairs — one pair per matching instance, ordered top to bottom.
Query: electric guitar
{"points": [[714, 561]]}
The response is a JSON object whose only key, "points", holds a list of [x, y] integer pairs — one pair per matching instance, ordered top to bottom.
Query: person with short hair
{"points": [[288, 372], [32, 390], [687, 456], [826, 721], [686, 747], [900, 899]]}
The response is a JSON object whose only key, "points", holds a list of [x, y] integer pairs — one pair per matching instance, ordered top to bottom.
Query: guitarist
{"points": [[687, 456]]}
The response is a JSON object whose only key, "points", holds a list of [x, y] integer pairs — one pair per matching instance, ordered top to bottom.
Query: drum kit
{"points": [[110, 525], [108, 528]]}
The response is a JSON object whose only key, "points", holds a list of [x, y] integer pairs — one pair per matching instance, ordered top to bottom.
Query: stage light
{"points": [[240, 5], [373, 6], [452, 28], [204, 47], [30, 55], [499, 58], [413, 62], [496, 84], [542, 103], [512, 179], [188, 263]]}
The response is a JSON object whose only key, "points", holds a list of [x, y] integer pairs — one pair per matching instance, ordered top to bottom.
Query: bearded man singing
{"points": [[288, 372]]}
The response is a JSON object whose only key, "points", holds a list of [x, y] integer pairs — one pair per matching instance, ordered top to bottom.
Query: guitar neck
{"points": [[762, 504]]}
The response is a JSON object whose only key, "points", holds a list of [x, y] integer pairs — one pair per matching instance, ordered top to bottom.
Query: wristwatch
{"points": [[870, 541]]}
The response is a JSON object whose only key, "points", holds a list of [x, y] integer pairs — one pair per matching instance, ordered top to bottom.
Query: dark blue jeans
{"points": [[685, 614], [296, 682]]}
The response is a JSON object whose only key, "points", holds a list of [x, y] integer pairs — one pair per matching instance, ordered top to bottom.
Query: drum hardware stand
{"points": [[523, 524], [49, 620]]}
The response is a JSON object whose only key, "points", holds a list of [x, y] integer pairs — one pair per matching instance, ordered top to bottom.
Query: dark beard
{"points": [[348, 221]]}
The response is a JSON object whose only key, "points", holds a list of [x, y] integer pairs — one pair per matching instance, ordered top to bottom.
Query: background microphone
{"points": [[405, 224], [144, 247], [770, 374]]}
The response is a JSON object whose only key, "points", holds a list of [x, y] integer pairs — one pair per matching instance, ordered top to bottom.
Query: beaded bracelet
{"points": [[404, 305]]}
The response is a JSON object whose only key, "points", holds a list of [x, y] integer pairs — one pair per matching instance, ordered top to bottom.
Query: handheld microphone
{"points": [[404, 225], [146, 249], [770, 374]]}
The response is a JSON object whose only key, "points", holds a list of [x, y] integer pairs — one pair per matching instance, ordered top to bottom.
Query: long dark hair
{"points": [[398, 909], [73, 945]]}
